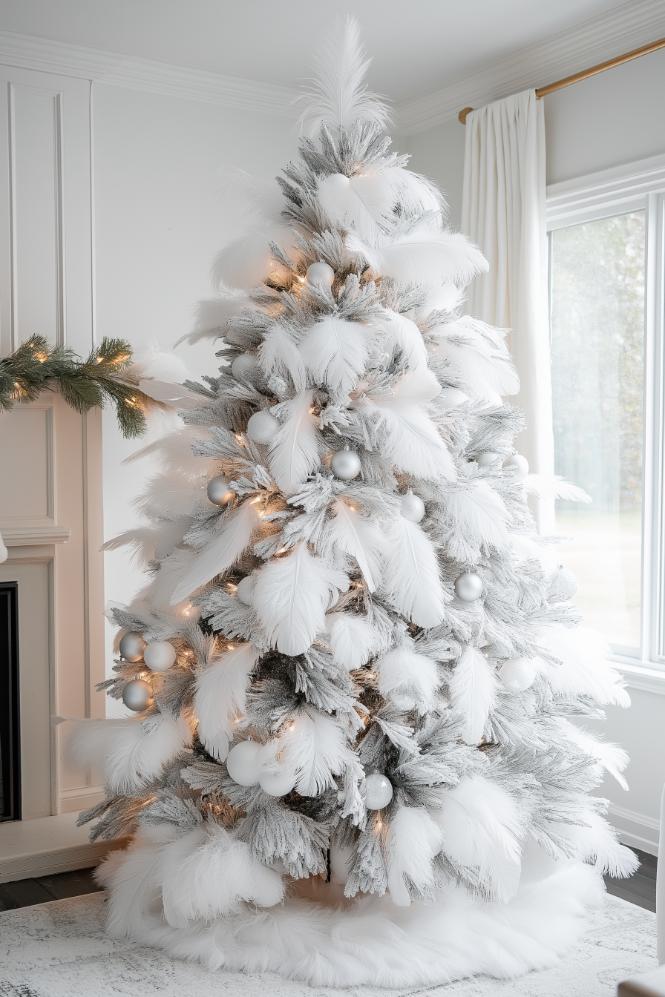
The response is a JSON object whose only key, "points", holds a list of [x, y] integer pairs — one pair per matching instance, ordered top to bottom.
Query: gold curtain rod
{"points": [[585, 74]]}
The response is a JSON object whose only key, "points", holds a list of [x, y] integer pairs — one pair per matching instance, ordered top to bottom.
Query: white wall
{"points": [[605, 121], [166, 200]]}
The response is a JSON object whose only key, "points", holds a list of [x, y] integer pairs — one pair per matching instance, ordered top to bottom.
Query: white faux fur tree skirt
{"points": [[368, 941], [61, 949]]}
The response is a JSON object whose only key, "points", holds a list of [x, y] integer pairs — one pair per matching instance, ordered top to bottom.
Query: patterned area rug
{"points": [[60, 949]]}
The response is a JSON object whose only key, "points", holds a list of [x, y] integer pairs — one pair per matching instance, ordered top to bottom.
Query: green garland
{"points": [[84, 384]]}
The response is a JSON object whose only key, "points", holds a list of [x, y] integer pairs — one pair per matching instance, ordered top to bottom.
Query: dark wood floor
{"points": [[640, 889]]}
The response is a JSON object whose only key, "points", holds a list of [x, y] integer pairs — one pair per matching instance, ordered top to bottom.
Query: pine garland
{"points": [[84, 384]]}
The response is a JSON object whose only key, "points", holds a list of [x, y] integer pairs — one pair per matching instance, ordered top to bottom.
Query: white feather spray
{"points": [[335, 352], [279, 354], [294, 453], [476, 518], [358, 537], [412, 583], [353, 639], [408, 679], [221, 690], [472, 690], [316, 749], [414, 839]]}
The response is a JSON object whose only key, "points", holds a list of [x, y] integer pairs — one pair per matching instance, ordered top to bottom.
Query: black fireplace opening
{"points": [[10, 757]]}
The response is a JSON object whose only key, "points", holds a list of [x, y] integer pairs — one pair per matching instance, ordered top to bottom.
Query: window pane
{"points": [[597, 315]]}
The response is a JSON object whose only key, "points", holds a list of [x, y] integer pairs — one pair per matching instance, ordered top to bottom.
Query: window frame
{"points": [[636, 186]]}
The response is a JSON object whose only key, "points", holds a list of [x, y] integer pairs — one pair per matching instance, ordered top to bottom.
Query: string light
{"points": [[41, 357]]}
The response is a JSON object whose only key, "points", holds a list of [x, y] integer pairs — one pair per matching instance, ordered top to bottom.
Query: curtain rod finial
{"points": [[463, 114]]}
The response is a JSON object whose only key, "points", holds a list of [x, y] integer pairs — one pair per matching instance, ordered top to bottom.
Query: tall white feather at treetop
{"points": [[354, 669]]}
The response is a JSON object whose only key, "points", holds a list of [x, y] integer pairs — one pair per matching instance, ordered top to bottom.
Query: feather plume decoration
{"points": [[337, 96], [382, 189], [344, 209], [422, 256], [247, 262], [213, 316], [400, 334], [335, 352], [279, 354], [477, 354], [412, 442], [174, 450], [294, 453], [553, 486], [169, 494], [476, 519], [358, 537], [151, 542], [220, 553], [411, 579], [291, 597], [353, 640], [580, 667], [408, 679], [221, 690], [472, 690], [314, 746], [130, 752], [610, 757], [482, 829], [414, 839], [594, 840], [207, 873], [132, 878]]}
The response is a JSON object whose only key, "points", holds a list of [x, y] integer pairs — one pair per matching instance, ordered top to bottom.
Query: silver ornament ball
{"points": [[320, 275], [245, 367], [262, 427], [346, 465], [518, 465], [218, 490], [412, 507], [563, 584], [469, 586], [245, 590], [132, 646], [159, 655], [517, 674], [137, 695], [243, 763], [276, 780], [378, 791]]}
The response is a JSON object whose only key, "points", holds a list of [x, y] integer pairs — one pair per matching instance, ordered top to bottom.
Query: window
{"points": [[606, 316]]}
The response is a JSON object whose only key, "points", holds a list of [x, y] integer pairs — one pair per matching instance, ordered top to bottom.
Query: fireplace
{"points": [[10, 757]]}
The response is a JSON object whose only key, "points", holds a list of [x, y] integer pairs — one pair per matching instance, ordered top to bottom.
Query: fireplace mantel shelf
{"points": [[27, 535], [47, 845]]}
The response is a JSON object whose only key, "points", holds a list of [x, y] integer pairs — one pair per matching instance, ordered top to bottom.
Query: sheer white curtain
{"points": [[503, 212]]}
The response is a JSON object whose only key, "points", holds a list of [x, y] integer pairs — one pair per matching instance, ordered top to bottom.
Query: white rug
{"points": [[60, 949]]}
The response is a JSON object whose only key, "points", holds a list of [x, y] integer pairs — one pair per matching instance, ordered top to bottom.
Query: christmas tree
{"points": [[356, 668]]}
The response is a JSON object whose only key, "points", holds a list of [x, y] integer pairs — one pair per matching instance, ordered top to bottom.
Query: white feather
{"points": [[338, 95], [383, 189], [344, 209], [423, 256], [247, 262], [213, 316], [399, 333], [335, 352], [279, 354], [477, 355], [413, 443], [174, 451], [294, 453], [553, 486], [170, 494], [476, 518], [357, 536], [151, 542], [220, 553], [411, 579], [291, 597], [353, 639], [582, 667], [408, 679], [472, 691], [220, 697], [314, 746], [130, 752], [610, 757], [482, 829], [414, 839], [595, 841], [207, 873], [132, 878]]}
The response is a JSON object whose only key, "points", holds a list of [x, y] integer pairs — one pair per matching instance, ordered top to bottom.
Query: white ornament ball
{"points": [[320, 275], [245, 367], [452, 397], [262, 427], [488, 459], [346, 465], [518, 465], [218, 490], [412, 507], [563, 585], [469, 586], [245, 590], [132, 646], [159, 655], [517, 674], [137, 695], [244, 763], [276, 780], [378, 791]]}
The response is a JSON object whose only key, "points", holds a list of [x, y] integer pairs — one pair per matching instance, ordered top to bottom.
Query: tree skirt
{"points": [[61, 949]]}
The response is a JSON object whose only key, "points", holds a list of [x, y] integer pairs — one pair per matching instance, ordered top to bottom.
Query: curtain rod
{"points": [[567, 81]]}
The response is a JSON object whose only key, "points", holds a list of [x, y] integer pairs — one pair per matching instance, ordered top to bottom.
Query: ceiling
{"points": [[415, 53]]}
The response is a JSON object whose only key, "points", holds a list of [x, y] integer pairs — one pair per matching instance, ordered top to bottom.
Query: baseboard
{"points": [[635, 829], [47, 845]]}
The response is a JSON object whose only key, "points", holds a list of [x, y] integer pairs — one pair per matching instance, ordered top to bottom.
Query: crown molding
{"points": [[620, 30], [44, 55]]}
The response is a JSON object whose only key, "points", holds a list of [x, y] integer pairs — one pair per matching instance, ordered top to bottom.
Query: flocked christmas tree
{"points": [[357, 670]]}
